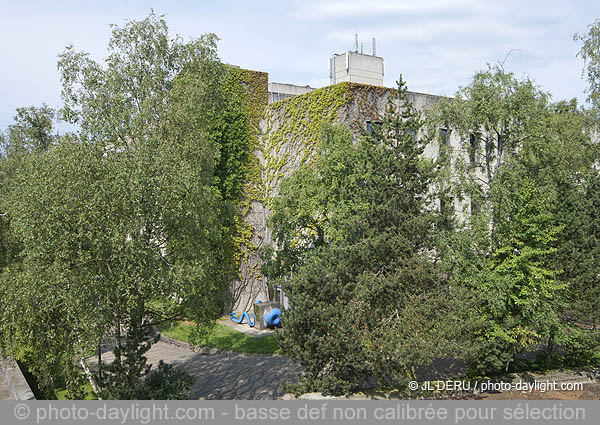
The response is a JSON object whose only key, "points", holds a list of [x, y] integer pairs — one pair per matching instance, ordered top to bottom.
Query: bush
{"points": [[362, 333], [582, 349], [489, 356], [163, 383], [167, 383]]}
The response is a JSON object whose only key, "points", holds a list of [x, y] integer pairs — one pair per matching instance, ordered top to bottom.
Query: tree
{"points": [[590, 52], [493, 117], [31, 132], [31, 135], [520, 162], [121, 223], [355, 251], [578, 251], [531, 296]]}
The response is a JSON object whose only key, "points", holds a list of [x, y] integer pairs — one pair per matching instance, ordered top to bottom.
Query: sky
{"points": [[437, 45]]}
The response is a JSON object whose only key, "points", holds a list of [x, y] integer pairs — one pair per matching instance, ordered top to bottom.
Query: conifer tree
{"points": [[364, 291]]}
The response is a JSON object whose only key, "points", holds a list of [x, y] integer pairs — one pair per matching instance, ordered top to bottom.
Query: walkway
{"points": [[220, 375], [4, 391]]}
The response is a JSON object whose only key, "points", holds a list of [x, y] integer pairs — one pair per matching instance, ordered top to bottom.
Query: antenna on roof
{"points": [[356, 42], [361, 47], [374, 49]]}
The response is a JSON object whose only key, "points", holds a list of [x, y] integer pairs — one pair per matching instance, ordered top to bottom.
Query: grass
{"points": [[225, 339], [61, 393]]}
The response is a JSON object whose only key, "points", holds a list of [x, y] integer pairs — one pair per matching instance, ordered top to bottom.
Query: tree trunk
{"points": [[118, 336], [549, 351], [99, 364], [90, 377]]}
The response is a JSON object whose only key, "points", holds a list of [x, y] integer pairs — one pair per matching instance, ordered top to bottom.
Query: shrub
{"points": [[583, 349]]}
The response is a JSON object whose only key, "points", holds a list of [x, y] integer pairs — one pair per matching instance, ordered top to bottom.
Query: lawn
{"points": [[223, 338], [61, 393]]}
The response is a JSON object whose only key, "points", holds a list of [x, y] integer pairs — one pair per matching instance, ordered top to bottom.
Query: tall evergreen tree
{"points": [[356, 255]]}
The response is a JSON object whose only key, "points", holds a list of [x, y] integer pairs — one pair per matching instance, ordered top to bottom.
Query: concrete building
{"points": [[356, 67], [283, 91], [287, 137]]}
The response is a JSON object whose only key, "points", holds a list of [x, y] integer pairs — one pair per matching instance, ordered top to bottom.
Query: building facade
{"points": [[287, 137]]}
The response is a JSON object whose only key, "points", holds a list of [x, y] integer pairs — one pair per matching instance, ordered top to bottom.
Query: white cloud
{"points": [[356, 8], [338, 10], [433, 29], [436, 44]]}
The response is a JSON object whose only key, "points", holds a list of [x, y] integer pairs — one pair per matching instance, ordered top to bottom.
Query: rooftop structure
{"points": [[356, 67], [282, 91]]}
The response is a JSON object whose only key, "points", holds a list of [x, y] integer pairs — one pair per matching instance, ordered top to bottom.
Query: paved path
{"points": [[244, 328], [224, 375], [4, 391]]}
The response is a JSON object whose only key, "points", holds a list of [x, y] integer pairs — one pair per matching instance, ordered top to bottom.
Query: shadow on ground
{"points": [[224, 375]]}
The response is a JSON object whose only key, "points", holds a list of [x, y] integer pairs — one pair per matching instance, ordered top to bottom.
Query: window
{"points": [[370, 124], [443, 133], [444, 145], [473, 146], [475, 208], [446, 209]]}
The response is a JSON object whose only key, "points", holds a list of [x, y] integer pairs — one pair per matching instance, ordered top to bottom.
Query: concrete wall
{"points": [[355, 67], [283, 91], [422, 102], [368, 103], [13, 385]]}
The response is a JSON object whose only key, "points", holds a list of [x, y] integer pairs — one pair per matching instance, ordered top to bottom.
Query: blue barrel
{"points": [[273, 317]]}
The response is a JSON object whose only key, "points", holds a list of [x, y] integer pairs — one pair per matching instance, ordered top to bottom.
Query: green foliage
{"points": [[590, 52], [237, 98], [125, 102], [492, 117], [299, 119], [293, 130], [235, 131], [31, 132], [525, 159], [239, 169], [310, 204], [121, 215], [137, 220], [578, 251], [355, 255], [527, 305], [42, 318], [582, 349], [122, 379], [163, 383], [167, 383], [86, 390]]}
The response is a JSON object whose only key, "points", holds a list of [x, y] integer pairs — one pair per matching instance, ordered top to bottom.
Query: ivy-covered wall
{"points": [[282, 137], [287, 139], [240, 167]]}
